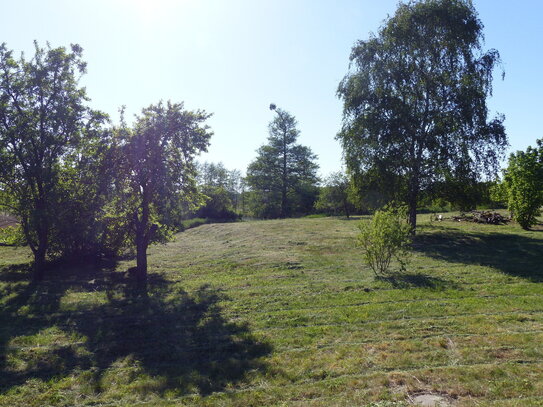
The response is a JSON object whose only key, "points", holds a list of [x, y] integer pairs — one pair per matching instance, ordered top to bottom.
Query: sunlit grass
{"points": [[282, 312]]}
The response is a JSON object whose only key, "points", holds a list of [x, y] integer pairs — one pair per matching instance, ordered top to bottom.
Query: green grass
{"points": [[194, 222], [282, 313]]}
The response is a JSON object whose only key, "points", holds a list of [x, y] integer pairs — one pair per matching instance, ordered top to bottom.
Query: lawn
{"points": [[282, 312]]}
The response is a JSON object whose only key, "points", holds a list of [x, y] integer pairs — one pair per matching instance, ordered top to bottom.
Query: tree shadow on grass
{"points": [[512, 254], [418, 280], [157, 341]]}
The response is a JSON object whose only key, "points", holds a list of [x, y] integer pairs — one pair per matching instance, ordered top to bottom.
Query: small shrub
{"points": [[386, 236]]}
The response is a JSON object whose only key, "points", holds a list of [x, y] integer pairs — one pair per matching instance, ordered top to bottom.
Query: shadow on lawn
{"points": [[513, 254], [419, 280], [180, 340]]}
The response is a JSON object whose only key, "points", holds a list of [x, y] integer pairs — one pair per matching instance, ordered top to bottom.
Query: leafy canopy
{"points": [[415, 101], [43, 120], [157, 171], [335, 195]]}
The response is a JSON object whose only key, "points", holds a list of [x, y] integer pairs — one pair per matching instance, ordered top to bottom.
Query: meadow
{"points": [[281, 312]]}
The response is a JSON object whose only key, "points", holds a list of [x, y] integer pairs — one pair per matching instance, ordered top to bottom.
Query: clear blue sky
{"points": [[234, 57]]}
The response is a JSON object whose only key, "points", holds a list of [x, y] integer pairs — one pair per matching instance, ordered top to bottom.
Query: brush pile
{"points": [[488, 217]]}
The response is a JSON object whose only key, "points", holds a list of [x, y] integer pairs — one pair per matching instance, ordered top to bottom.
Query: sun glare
{"points": [[149, 11]]}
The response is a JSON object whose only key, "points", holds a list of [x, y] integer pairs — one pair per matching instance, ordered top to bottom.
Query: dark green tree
{"points": [[415, 100], [43, 119], [157, 171], [283, 176], [523, 185]]}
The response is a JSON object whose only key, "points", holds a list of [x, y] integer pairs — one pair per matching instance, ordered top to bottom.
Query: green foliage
{"points": [[415, 103], [43, 120], [156, 172], [283, 177], [523, 183], [222, 189], [498, 192], [335, 195], [463, 196], [218, 204], [193, 223], [82, 227], [12, 236], [385, 237]]}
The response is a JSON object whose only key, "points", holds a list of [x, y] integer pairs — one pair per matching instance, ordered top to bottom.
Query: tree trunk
{"points": [[284, 181], [283, 202], [412, 205], [346, 207], [142, 238], [40, 252], [141, 258], [39, 262]]}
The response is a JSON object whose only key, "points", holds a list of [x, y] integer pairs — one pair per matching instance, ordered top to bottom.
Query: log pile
{"points": [[488, 217]]}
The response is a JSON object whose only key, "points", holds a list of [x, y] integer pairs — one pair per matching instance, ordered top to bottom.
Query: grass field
{"points": [[282, 313]]}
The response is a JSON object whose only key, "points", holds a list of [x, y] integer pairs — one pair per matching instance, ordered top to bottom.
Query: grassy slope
{"points": [[282, 313]]}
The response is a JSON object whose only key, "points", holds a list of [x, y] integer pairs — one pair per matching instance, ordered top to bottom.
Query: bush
{"points": [[523, 184], [218, 205], [386, 236]]}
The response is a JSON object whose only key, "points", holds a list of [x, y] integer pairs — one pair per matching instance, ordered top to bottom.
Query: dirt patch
{"points": [[430, 400]]}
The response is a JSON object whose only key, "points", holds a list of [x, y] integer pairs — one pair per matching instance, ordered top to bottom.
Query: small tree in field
{"points": [[157, 171], [284, 174], [523, 185], [385, 237]]}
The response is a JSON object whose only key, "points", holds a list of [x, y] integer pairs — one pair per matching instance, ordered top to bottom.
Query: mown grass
{"points": [[282, 313]]}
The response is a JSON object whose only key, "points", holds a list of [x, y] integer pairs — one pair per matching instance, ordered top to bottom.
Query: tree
{"points": [[415, 102], [43, 118], [157, 171], [213, 175], [283, 176], [523, 185], [222, 190], [334, 196], [79, 229]]}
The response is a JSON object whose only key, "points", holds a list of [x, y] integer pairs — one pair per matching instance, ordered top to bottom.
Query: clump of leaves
{"points": [[12, 236], [385, 237]]}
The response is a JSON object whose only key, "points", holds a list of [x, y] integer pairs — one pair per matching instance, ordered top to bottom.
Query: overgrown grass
{"points": [[282, 313]]}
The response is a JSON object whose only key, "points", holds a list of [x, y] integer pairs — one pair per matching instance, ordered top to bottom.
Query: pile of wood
{"points": [[488, 217]]}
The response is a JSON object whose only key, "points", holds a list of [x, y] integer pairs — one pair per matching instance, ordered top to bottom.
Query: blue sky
{"points": [[234, 57]]}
